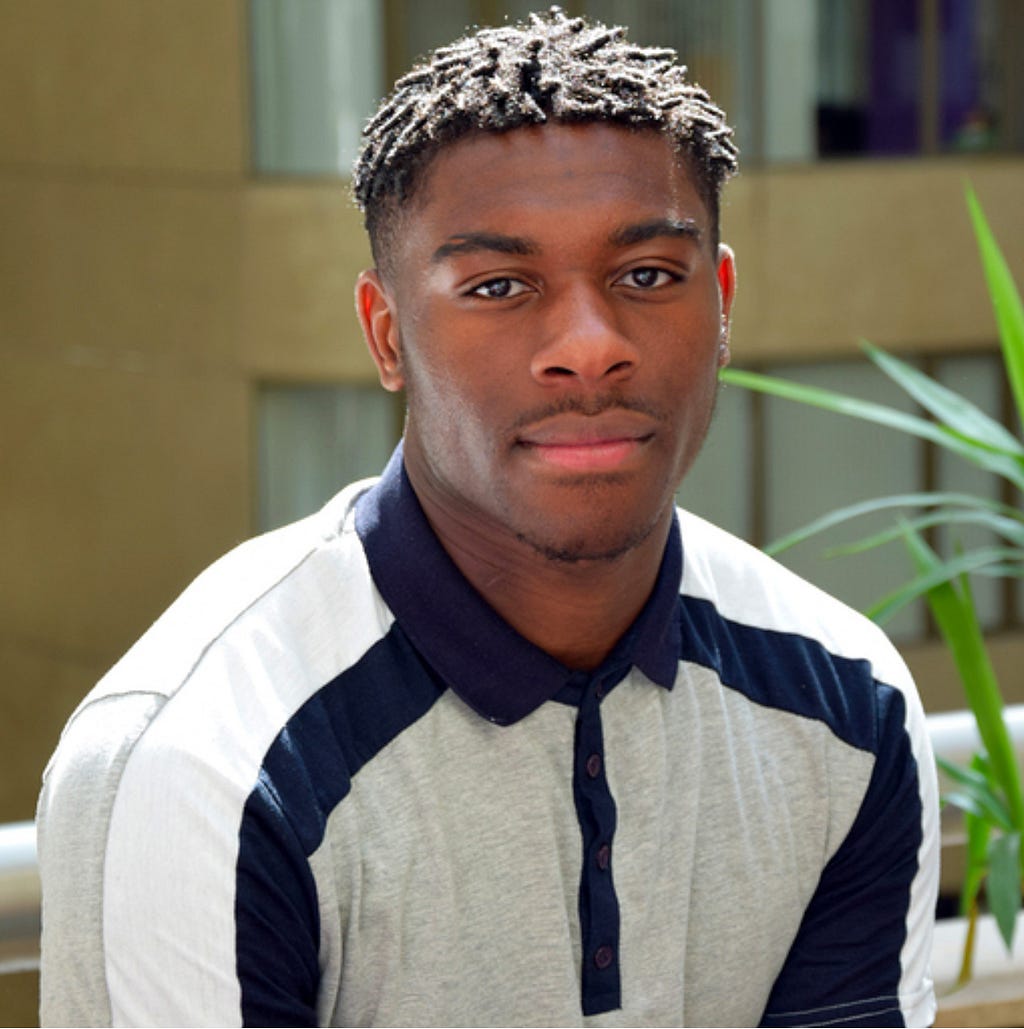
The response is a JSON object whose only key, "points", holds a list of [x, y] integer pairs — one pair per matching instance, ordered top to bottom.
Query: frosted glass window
{"points": [[425, 26], [418, 27], [715, 37], [715, 40], [843, 52], [790, 62], [317, 74], [798, 79], [979, 379], [314, 440], [816, 462], [719, 486]]}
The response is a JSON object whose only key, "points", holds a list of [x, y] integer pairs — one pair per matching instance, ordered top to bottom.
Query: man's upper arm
{"points": [[73, 819], [138, 853], [862, 954]]}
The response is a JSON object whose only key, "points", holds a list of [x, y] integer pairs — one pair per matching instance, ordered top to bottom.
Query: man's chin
{"points": [[597, 546]]}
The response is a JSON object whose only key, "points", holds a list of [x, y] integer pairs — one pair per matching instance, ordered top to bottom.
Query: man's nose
{"points": [[583, 341]]}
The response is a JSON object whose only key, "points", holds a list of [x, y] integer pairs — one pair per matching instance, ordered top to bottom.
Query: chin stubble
{"points": [[584, 549]]}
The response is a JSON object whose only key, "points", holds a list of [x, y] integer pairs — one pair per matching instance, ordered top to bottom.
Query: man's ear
{"points": [[727, 291], [379, 319]]}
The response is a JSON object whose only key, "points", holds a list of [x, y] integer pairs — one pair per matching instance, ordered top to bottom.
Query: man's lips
{"points": [[602, 442]]}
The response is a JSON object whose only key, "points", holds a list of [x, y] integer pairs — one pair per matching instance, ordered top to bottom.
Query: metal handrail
{"points": [[954, 736], [20, 897]]}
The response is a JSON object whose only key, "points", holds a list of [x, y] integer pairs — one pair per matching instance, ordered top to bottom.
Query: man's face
{"points": [[557, 315]]}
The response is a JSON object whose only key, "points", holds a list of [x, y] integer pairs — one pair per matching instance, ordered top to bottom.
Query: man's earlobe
{"points": [[726, 279], [727, 292], [379, 321]]}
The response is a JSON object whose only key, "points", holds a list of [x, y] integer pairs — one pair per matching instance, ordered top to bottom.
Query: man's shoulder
{"points": [[267, 585], [747, 587], [216, 676]]}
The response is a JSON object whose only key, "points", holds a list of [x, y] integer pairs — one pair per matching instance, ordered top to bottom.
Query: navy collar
{"points": [[496, 671]]}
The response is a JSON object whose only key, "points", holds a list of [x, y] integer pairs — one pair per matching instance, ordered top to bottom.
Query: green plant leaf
{"points": [[1006, 301], [838, 403], [949, 407], [865, 507], [1011, 529], [1004, 558], [955, 613], [981, 763], [977, 774], [979, 793], [992, 812], [976, 862], [975, 869], [1003, 886], [967, 961]]}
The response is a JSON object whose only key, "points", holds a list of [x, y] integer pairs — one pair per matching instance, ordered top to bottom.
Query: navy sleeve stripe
{"points": [[782, 670], [306, 773], [857, 918]]}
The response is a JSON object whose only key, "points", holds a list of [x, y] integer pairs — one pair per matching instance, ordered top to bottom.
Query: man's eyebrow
{"points": [[641, 232], [473, 242]]}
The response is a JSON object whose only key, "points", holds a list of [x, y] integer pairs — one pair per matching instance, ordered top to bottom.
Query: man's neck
{"points": [[576, 611]]}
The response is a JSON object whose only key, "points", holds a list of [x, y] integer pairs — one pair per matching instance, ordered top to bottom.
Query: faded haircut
{"points": [[551, 68]]}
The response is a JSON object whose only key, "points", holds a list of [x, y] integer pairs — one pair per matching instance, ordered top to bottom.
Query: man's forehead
{"points": [[470, 171]]}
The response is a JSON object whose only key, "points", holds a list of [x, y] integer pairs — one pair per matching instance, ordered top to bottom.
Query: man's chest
{"points": [[467, 874]]}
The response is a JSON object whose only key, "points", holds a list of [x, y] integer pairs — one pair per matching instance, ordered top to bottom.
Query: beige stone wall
{"points": [[883, 250], [148, 283]]}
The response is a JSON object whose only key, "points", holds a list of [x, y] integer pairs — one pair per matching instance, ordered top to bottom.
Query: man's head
{"points": [[551, 69], [550, 292]]}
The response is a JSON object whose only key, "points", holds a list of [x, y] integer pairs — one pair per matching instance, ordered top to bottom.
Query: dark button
{"points": [[599, 692], [594, 765], [604, 856], [603, 957]]}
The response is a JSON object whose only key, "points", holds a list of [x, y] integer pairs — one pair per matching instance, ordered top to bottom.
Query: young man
{"points": [[503, 738]]}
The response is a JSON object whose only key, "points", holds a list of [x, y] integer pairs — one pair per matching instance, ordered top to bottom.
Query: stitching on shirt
{"points": [[888, 998], [873, 1012]]}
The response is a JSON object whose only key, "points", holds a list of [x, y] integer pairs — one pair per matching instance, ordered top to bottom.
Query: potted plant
{"points": [[989, 789]]}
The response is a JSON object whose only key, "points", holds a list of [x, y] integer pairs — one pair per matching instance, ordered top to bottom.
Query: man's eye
{"points": [[647, 278], [498, 289]]}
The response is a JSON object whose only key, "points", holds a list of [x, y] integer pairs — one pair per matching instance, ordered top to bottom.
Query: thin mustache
{"points": [[589, 407]]}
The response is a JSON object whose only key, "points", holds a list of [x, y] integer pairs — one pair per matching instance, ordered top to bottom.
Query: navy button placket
{"points": [[598, 905]]}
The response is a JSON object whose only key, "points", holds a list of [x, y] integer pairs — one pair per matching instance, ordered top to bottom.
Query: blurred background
{"points": [[182, 367]]}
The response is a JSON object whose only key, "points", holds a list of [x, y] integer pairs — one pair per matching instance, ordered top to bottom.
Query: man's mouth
{"points": [[580, 443]]}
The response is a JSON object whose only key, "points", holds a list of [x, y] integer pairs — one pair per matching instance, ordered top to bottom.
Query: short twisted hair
{"points": [[550, 68]]}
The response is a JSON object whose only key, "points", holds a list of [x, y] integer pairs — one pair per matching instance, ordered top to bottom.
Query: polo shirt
{"points": [[332, 786]]}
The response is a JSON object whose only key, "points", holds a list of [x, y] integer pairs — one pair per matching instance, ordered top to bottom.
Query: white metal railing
{"points": [[954, 736], [19, 898]]}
